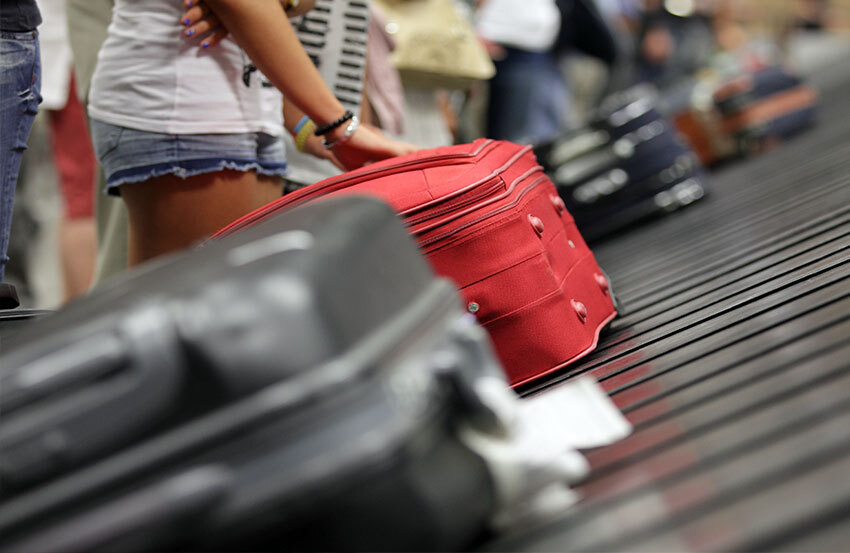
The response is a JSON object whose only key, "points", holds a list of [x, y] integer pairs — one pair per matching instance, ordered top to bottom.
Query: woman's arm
{"points": [[261, 29], [313, 146]]}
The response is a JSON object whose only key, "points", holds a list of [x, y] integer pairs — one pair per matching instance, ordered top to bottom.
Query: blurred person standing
{"points": [[88, 21], [673, 44], [20, 87], [528, 96], [71, 150]]}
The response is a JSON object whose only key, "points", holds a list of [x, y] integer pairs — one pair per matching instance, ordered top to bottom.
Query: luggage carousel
{"points": [[732, 360]]}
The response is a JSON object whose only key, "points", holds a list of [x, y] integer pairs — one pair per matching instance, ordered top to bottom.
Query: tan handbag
{"points": [[435, 46]]}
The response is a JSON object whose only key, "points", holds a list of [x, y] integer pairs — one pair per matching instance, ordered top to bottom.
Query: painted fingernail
{"points": [[190, 3], [187, 21], [190, 32], [204, 44]]}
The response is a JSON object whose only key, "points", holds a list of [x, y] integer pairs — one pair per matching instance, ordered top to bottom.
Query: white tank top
{"points": [[149, 77]]}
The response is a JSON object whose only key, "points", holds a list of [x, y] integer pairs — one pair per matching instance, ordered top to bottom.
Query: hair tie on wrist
{"points": [[300, 124], [303, 134]]}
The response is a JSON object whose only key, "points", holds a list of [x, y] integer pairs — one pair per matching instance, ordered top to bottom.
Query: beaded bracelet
{"points": [[325, 129], [349, 130]]}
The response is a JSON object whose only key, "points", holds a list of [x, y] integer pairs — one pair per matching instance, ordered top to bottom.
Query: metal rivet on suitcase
{"points": [[558, 203], [536, 224], [602, 282], [473, 307], [581, 310]]}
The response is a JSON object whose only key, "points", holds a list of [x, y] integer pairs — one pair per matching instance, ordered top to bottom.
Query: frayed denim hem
{"points": [[191, 168]]}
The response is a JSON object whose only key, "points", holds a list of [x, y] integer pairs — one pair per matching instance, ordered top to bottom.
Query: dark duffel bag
{"points": [[608, 184], [307, 383]]}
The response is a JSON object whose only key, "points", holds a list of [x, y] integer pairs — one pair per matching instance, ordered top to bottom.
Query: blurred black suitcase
{"points": [[627, 110], [609, 179], [13, 320], [298, 385]]}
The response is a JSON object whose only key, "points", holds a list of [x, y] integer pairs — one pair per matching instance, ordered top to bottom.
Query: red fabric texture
{"points": [[73, 156], [488, 218]]}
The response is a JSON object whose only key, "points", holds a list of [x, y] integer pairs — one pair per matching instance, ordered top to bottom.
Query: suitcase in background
{"points": [[765, 107], [626, 110], [745, 114], [609, 179], [487, 217], [299, 385]]}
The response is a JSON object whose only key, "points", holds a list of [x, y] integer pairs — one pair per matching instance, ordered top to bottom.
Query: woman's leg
{"points": [[170, 213]]}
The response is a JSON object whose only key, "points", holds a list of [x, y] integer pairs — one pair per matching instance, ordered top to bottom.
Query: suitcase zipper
{"points": [[366, 174], [494, 185], [520, 196], [478, 207]]}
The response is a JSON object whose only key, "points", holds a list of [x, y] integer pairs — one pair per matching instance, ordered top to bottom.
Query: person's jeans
{"points": [[20, 94], [529, 98]]}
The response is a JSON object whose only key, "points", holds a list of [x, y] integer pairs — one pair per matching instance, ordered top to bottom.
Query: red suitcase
{"points": [[487, 217]]}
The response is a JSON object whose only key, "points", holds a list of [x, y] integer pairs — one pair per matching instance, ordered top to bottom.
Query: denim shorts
{"points": [[130, 155]]}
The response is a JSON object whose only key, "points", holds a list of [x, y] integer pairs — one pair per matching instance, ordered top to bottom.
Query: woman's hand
{"points": [[294, 8], [202, 23], [368, 145], [315, 146]]}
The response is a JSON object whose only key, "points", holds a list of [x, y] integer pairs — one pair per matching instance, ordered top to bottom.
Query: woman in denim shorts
{"points": [[20, 82], [189, 133]]}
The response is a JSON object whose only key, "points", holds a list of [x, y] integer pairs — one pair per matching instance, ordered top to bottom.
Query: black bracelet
{"points": [[325, 129]]}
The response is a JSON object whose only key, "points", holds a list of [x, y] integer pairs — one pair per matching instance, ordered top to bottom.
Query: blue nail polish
{"points": [[190, 3], [187, 21], [190, 32], [205, 44]]}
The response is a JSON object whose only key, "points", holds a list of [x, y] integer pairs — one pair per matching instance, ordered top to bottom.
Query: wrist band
{"points": [[300, 125], [325, 129], [349, 130], [303, 134]]}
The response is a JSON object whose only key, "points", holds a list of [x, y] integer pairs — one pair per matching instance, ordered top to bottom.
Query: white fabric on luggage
{"points": [[534, 464]]}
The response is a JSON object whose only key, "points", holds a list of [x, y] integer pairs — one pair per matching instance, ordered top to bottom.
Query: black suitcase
{"points": [[627, 110], [608, 183], [13, 320], [299, 385]]}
